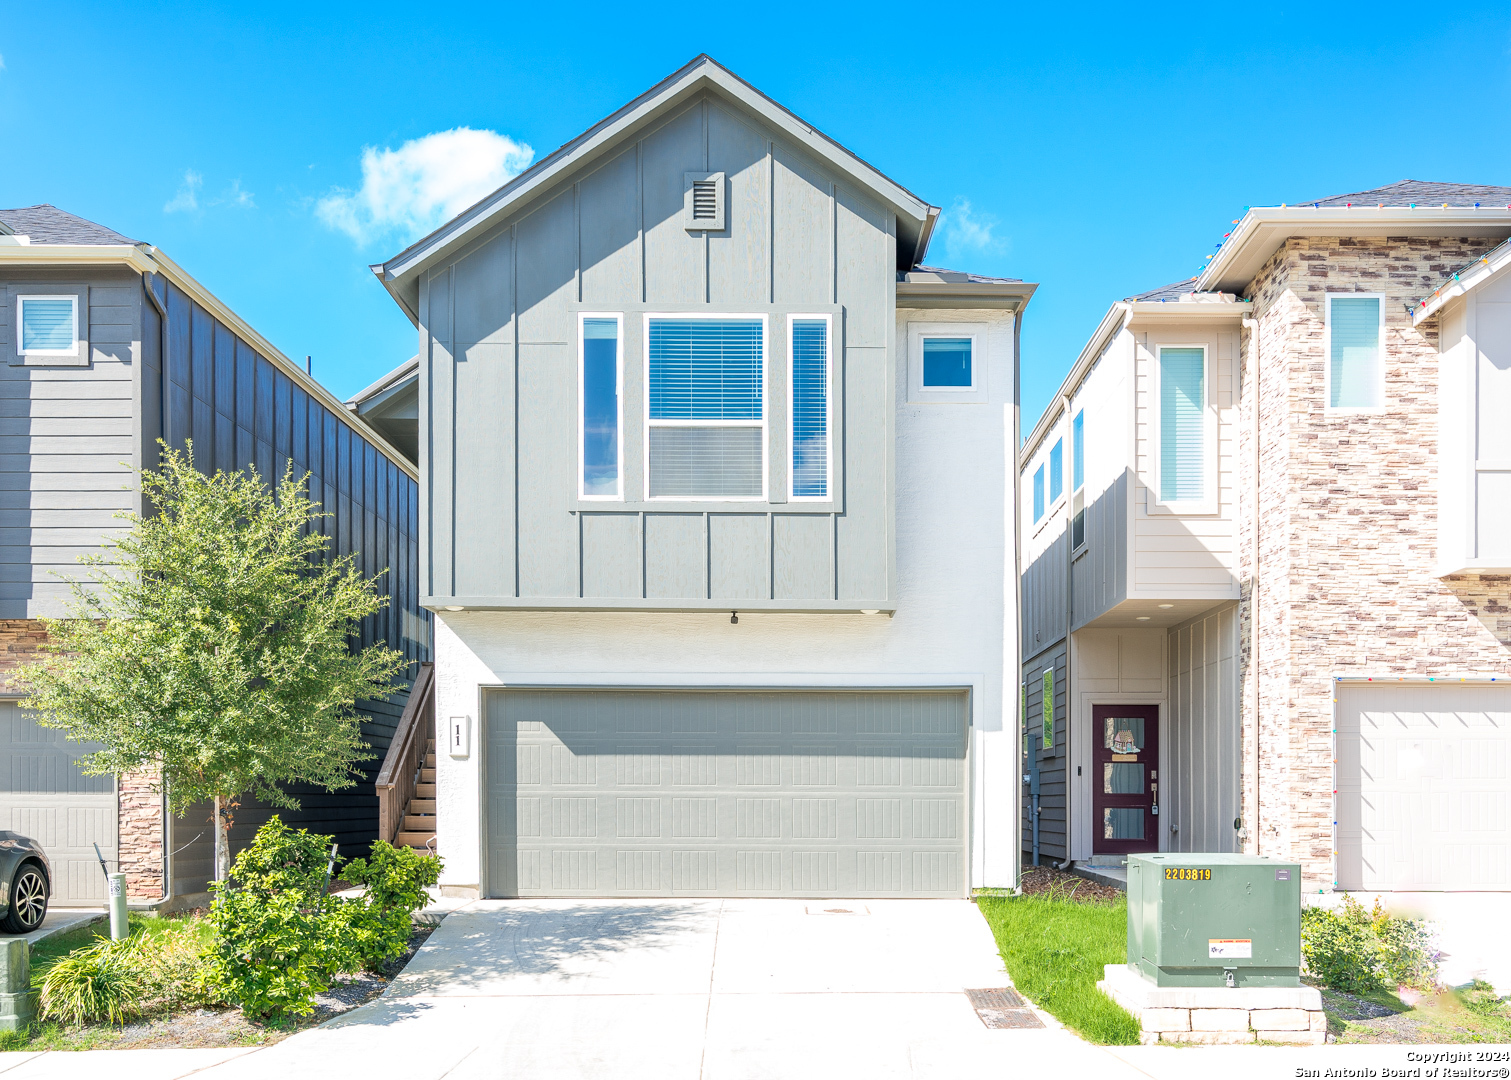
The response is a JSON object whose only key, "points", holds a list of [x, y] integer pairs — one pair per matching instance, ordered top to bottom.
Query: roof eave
{"points": [[700, 73], [1463, 282], [1012, 296], [1187, 310]]}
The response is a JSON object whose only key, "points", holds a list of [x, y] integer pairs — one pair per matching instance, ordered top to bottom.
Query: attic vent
{"points": [[703, 201]]}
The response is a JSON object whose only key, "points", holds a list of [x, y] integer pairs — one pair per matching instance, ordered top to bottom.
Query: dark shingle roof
{"points": [[1421, 193], [46, 224], [959, 276], [1173, 291]]}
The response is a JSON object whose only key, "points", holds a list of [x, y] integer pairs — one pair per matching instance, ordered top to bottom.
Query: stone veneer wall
{"points": [[1347, 521], [20, 641]]}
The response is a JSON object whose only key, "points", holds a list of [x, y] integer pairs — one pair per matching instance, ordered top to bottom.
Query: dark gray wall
{"points": [[499, 382], [1099, 571], [1044, 584], [1050, 761]]}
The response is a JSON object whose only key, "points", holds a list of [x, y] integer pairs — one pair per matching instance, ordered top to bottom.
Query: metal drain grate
{"points": [[1002, 1008]]}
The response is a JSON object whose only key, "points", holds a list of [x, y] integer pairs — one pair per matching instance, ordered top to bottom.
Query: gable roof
{"points": [[1422, 193], [916, 217], [46, 224], [1460, 280]]}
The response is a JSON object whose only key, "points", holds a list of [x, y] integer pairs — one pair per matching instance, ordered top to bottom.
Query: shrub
{"points": [[395, 881], [278, 937], [1356, 951], [173, 969], [98, 982]]}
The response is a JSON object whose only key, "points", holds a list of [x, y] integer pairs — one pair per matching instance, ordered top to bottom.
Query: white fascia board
{"points": [[680, 86], [1263, 229], [145, 259], [1487, 268], [1189, 311], [1111, 323], [392, 378]]}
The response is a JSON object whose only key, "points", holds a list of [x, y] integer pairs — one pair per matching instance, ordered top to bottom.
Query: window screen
{"points": [[47, 324], [1354, 352], [947, 363], [600, 407], [706, 408], [810, 408], [1182, 425], [1056, 470], [1039, 493]]}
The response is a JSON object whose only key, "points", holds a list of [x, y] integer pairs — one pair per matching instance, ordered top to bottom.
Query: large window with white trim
{"points": [[47, 325], [1355, 367], [809, 378], [601, 379], [705, 406], [1183, 449]]}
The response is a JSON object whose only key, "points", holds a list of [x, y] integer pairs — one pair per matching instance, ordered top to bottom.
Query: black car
{"points": [[25, 883]]}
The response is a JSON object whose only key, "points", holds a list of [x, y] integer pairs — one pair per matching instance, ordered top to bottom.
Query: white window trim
{"points": [[975, 339], [72, 350], [1327, 357], [582, 401], [764, 422], [1049, 473], [1074, 490], [1033, 492], [828, 494], [1207, 504]]}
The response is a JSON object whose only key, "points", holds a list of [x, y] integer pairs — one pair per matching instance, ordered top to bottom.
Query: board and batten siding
{"points": [[499, 382], [67, 442], [1179, 555], [1202, 743], [1051, 763]]}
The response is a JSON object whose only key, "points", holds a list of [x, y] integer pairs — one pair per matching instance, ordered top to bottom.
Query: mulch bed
{"points": [[1047, 881], [227, 1027]]}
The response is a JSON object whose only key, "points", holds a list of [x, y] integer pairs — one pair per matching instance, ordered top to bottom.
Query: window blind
{"points": [[47, 324], [1354, 352], [947, 363], [705, 369], [600, 407], [810, 408], [1182, 425], [1078, 452], [694, 462], [1056, 470], [1039, 493]]}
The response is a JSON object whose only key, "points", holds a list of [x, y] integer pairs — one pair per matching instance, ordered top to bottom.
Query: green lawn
{"points": [[1054, 949]]}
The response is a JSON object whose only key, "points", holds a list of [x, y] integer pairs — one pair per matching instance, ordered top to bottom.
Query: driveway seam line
{"points": [[713, 966]]}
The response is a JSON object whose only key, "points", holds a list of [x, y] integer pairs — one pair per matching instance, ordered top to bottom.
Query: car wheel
{"points": [[28, 900]]}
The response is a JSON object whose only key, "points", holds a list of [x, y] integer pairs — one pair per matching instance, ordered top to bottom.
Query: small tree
{"points": [[216, 647]]}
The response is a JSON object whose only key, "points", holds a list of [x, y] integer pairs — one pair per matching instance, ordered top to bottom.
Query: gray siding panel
{"points": [[609, 225], [803, 241], [738, 256], [674, 257], [547, 268], [485, 294], [485, 532], [676, 549], [739, 556], [803, 556], [548, 557], [611, 563], [1099, 574], [1044, 598], [1051, 762], [1201, 794]]}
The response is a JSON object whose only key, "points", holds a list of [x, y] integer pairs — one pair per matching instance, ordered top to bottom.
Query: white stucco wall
{"points": [[955, 623]]}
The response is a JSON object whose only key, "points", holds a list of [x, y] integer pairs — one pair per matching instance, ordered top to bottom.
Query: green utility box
{"points": [[1214, 920]]}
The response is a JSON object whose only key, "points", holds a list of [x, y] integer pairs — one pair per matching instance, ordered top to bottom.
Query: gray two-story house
{"points": [[106, 347], [717, 519]]}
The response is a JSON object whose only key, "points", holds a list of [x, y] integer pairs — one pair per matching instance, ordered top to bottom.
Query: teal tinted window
{"points": [[46, 325], [947, 363], [1353, 363], [1182, 425], [1078, 452], [1056, 470], [1039, 493]]}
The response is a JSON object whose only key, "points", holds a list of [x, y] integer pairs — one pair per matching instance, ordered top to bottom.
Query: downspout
{"points": [[162, 354], [1070, 496], [1018, 644], [1248, 829]]}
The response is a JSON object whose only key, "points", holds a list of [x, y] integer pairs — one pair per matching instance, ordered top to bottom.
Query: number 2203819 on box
{"points": [[1187, 873]]}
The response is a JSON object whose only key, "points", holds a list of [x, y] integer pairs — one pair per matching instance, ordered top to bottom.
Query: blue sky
{"points": [[275, 153]]}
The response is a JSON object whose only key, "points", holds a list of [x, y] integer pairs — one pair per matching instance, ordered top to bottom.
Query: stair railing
{"points": [[401, 765]]}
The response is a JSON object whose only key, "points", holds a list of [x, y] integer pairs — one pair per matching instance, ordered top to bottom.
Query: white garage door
{"points": [[1423, 786], [730, 793], [43, 795]]}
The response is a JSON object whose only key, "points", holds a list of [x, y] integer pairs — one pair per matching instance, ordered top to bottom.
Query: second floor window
{"points": [[49, 325], [947, 363], [1355, 375], [600, 407], [706, 407], [810, 407], [1182, 424], [1056, 471], [1078, 480], [1039, 493]]}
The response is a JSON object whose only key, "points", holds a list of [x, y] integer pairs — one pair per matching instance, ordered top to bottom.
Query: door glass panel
{"points": [[1123, 734], [1122, 778], [1123, 823]]}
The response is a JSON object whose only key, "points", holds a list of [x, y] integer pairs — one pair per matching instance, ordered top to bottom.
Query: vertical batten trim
{"points": [[640, 211], [770, 221], [577, 238], [833, 242], [707, 284], [514, 345], [451, 464], [834, 551], [642, 555], [770, 555], [580, 558], [708, 587]]}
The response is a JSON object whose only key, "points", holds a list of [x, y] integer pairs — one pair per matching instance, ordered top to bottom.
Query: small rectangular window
{"points": [[48, 325], [947, 363], [1354, 370], [601, 381], [810, 406], [706, 407], [1182, 424], [1078, 452], [1056, 471], [1039, 493], [1077, 520], [1047, 712]]}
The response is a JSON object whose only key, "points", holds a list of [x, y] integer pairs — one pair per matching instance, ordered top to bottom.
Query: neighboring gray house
{"points": [[107, 346], [717, 518]]}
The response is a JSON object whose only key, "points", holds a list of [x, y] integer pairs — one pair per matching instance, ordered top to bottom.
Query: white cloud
{"points": [[2, 61], [412, 190], [234, 196], [187, 199], [966, 231]]}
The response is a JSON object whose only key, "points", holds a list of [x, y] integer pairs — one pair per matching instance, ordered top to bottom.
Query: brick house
{"points": [[107, 346], [1267, 568]]}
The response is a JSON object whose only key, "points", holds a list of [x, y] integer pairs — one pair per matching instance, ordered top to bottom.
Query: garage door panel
{"points": [[1422, 787], [726, 793]]}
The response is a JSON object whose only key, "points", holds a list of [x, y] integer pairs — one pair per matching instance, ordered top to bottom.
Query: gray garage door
{"points": [[730, 793], [44, 795]]}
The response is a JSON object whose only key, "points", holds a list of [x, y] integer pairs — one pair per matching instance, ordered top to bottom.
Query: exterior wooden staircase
{"points": [[406, 782]]}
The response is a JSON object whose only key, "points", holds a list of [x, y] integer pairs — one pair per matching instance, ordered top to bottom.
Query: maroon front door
{"points": [[1124, 778]]}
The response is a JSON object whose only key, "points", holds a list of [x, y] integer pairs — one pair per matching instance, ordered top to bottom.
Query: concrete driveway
{"points": [[682, 990]]}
